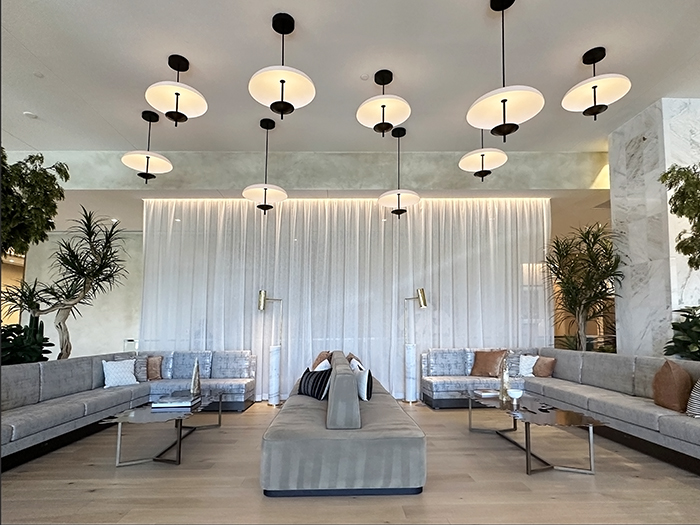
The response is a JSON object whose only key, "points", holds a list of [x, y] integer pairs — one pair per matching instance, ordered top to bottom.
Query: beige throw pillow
{"points": [[325, 354], [488, 364], [153, 365], [544, 367], [672, 385]]}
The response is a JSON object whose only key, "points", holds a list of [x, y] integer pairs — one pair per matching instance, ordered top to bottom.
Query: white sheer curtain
{"points": [[343, 269]]}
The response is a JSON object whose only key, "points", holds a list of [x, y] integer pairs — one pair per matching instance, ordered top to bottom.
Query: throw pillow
{"points": [[325, 355], [351, 356], [527, 363], [488, 364], [323, 365], [355, 365], [153, 366], [544, 367], [141, 368], [119, 373], [364, 383], [315, 384], [672, 386], [693, 409]]}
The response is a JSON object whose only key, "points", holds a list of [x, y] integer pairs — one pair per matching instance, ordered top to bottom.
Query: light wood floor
{"points": [[472, 478]]}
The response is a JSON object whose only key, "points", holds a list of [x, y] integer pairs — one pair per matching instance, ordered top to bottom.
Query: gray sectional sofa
{"points": [[614, 389], [46, 400], [341, 445]]}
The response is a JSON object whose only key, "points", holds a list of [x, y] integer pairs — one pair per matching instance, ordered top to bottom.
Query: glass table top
{"points": [[145, 414]]}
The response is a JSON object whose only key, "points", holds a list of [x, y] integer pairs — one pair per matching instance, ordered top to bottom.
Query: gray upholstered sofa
{"points": [[45, 400], [341, 445]]}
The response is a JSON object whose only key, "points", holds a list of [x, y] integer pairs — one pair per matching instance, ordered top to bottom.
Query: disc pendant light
{"points": [[283, 89], [593, 96], [177, 101], [504, 109], [383, 112], [482, 161], [147, 163], [265, 195], [398, 198]]}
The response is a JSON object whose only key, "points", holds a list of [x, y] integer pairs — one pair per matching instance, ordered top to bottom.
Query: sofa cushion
{"points": [[449, 361], [487, 363], [527, 363], [183, 364], [230, 364], [568, 364], [154, 366], [544, 366], [645, 369], [166, 370], [610, 371], [119, 373], [98, 375], [65, 376], [364, 383], [315, 384], [535, 384], [20, 385], [240, 385], [168, 386], [672, 386], [571, 393], [98, 400], [343, 402], [693, 409], [635, 410], [31, 419], [680, 427], [6, 433]]}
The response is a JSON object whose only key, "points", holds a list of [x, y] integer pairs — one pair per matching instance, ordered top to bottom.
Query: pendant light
{"points": [[283, 89], [593, 96], [177, 101], [504, 109], [383, 112], [482, 161], [147, 163], [265, 194], [398, 198]]}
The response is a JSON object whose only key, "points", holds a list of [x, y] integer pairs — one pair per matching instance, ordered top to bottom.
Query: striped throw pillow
{"points": [[315, 384], [693, 409]]}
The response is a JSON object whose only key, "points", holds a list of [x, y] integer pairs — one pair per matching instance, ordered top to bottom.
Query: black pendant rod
{"points": [[503, 45], [282, 49], [267, 136], [482, 139], [148, 147], [398, 164]]}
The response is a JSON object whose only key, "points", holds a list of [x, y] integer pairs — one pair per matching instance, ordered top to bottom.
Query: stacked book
{"points": [[176, 403]]}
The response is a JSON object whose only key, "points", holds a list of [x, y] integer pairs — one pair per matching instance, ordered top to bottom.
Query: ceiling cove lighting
{"points": [[281, 88], [593, 96], [177, 101], [504, 109], [383, 112], [482, 161], [147, 162], [265, 195], [398, 197]]}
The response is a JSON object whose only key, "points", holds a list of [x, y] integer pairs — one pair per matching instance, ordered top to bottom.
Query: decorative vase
{"points": [[505, 381], [195, 386]]}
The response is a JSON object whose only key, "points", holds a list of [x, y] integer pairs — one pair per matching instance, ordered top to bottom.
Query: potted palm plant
{"points": [[583, 273]]}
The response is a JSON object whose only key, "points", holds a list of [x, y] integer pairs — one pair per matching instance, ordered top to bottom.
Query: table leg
{"points": [[119, 462]]}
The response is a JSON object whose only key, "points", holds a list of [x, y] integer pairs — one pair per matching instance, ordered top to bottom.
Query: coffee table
{"points": [[529, 410], [145, 414]]}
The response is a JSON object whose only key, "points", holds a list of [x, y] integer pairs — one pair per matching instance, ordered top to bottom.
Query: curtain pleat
{"points": [[345, 272]]}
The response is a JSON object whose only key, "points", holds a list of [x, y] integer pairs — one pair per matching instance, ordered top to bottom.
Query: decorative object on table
{"points": [[282, 88], [592, 96], [177, 101], [383, 112], [148, 162], [265, 194], [398, 198], [88, 262], [583, 275], [411, 362], [505, 380], [195, 385], [273, 387], [486, 393], [514, 394], [177, 401]]}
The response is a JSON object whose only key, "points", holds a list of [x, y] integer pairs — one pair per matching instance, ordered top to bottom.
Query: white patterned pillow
{"points": [[527, 363], [119, 373], [693, 409]]}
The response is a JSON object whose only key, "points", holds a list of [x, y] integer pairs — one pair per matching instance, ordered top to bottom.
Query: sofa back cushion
{"points": [[450, 361], [183, 364], [230, 364], [568, 365], [166, 367], [645, 368], [610, 371], [65, 376], [20, 385], [343, 410]]}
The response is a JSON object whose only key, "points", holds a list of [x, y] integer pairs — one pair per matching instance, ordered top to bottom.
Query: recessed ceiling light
{"points": [[364, 76], [29, 114], [177, 220]]}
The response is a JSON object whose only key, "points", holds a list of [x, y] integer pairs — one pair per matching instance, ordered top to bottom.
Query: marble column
{"points": [[657, 279], [410, 373], [273, 385]]}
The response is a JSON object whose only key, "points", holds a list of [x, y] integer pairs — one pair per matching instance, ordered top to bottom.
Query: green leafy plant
{"points": [[684, 181], [29, 195], [87, 263], [583, 270], [686, 335], [24, 344]]}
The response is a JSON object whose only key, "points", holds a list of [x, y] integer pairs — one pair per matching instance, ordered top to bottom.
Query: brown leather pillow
{"points": [[352, 356], [320, 357], [153, 364], [488, 364], [544, 366], [672, 385]]}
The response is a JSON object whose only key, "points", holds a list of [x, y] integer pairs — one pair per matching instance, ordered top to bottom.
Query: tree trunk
{"points": [[581, 325], [64, 337]]}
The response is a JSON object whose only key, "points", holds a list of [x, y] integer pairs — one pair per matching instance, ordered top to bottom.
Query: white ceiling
{"points": [[82, 66]]}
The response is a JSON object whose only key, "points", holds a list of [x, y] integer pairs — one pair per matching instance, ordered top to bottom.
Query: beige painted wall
{"points": [[11, 274]]}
